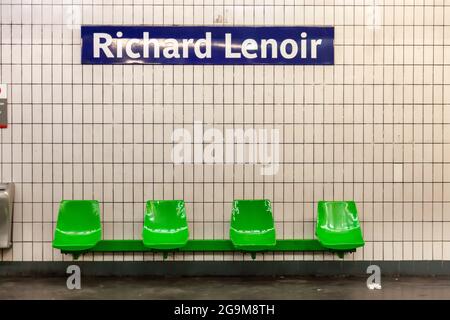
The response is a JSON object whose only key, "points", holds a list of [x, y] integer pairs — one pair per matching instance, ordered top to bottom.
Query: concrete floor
{"points": [[224, 288]]}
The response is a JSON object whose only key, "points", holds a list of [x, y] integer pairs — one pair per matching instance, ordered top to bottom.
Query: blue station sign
{"points": [[207, 45]]}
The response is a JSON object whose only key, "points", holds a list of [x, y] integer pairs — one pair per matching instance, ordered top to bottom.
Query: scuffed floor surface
{"points": [[224, 288]]}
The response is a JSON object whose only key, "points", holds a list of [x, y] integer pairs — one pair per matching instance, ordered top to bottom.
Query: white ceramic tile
{"points": [[383, 117]]}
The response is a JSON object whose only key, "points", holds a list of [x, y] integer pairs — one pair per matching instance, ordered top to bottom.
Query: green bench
{"points": [[252, 229]]}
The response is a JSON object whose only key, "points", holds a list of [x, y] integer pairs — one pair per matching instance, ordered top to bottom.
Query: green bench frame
{"points": [[338, 230]]}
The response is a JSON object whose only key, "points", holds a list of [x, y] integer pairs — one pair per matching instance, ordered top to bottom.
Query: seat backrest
{"points": [[165, 214], [79, 215], [252, 215], [337, 215]]}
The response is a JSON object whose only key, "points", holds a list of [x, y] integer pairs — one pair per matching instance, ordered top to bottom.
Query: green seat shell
{"points": [[165, 224], [338, 225], [252, 226], [78, 227]]}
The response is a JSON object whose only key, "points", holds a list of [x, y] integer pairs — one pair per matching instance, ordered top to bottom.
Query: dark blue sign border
{"points": [[324, 52]]}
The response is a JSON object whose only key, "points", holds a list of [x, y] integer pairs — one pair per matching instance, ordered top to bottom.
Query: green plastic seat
{"points": [[165, 224], [338, 226], [78, 227], [252, 227]]}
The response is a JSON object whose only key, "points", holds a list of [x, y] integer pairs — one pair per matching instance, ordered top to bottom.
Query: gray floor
{"points": [[225, 288]]}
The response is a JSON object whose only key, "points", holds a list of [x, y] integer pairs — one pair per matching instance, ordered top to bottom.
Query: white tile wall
{"points": [[375, 127]]}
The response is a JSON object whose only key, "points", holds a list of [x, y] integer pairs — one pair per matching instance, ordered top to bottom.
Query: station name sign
{"points": [[207, 45]]}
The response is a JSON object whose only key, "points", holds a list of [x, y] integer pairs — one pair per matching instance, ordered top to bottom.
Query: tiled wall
{"points": [[374, 127]]}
